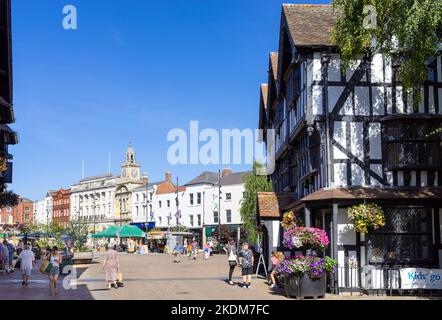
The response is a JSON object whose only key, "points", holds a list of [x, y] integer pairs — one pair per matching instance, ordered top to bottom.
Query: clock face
{"points": [[134, 172]]}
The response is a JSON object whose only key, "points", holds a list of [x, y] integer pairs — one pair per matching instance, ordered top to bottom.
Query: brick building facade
{"points": [[61, 205]]}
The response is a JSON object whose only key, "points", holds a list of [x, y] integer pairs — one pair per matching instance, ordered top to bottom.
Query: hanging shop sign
{"points": [[420, 278]]}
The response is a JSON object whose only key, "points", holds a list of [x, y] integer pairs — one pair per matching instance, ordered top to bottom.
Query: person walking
{"points": [[185, 248], [11, 250], [195, 250], [206, 251], [231, 251], [176, 252], [5, 256], [246, 256], [55, 259], [275, 261], [27, 262], [111, 266]]}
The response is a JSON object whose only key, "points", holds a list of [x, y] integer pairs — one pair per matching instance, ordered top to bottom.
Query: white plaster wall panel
{"points": [[387, 62], [317, 66], [334, 68], [352, 68], [377, 69], [439, 69], [333, 95], [317, 100], [378, 100], [399, 100], [440, 100], [362, 101], [389, 101], [421, 102], [409, 104], [431, 105], [374, 133], [339, 136], [357, 139], [378, 169], [340, 174], [357, 175], [389, 175], [400, 178], [413, 178], [424, 179], [436, 179], [346, 232], [275, 234]]}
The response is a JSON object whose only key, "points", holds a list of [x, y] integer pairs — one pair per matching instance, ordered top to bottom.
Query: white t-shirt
{"points": [[26, 257]]}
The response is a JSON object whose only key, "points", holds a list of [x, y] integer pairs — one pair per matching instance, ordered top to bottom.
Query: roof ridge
{"points": [[305, 5]]}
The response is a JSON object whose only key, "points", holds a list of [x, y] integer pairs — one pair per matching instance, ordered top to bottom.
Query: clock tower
{"points": [[130, 169]]}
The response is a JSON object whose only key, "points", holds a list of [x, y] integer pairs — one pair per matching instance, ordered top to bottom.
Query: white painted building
{"points": [[43, 209]]}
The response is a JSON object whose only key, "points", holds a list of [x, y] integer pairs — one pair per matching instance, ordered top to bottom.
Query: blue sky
{"points": [[132, 71]]}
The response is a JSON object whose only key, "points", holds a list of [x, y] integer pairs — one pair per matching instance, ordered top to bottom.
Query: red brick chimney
{"points": [[225, 172], [168, 177], [145, 179]]}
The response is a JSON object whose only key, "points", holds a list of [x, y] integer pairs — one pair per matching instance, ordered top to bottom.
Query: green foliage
{"points": [[409, 29], [253, 184], [8, 199], [78, 232], [330, 264]]}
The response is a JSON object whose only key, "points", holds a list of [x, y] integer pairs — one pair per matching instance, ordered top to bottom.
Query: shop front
{"points": [[381, 259]]}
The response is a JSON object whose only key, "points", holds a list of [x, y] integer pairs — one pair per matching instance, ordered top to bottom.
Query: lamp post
{"points": [[147, 206], [219, 207], [178, 214]]}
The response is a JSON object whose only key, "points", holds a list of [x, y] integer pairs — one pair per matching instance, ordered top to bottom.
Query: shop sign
{"points": [[420, 278]]}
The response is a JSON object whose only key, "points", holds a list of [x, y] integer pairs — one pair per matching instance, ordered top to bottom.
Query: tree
{"points": [[410, 30], [253, 184], [78, 232]]}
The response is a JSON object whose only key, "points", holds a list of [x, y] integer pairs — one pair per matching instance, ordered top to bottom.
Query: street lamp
{"points": [[219, 207]]}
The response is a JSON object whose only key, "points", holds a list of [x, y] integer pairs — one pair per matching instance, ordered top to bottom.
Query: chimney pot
{"points": [[168, 176]]}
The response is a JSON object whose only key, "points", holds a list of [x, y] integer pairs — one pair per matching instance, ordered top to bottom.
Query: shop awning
{"points": [[142, 225], [110, 232], [130, 232]]}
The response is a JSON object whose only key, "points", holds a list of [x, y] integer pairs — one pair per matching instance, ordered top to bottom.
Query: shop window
{"points": [[405, 239]]}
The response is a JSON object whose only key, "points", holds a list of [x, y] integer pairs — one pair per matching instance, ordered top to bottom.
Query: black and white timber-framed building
{"points": [[7, 135], [344, 138]]}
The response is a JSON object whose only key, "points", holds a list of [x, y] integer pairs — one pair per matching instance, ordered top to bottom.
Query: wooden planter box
{"points": [[301, 287]]}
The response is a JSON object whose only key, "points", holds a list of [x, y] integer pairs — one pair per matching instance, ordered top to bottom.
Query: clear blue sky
{"points": [[132, 71]]}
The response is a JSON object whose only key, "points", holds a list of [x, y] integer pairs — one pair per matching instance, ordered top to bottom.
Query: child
{"points": [[176, 252], [246, 256], [275, 261]]}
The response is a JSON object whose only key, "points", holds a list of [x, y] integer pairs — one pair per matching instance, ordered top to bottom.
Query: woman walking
{"points": [[195, 250], [231, 251], [176, 252], [55, 259], [111, 266]]}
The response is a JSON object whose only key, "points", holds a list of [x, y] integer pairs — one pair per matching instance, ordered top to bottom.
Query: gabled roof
{"points": [[309, 24], [274, 64], [207, 177], [234, 178], [150, 184], [270, 204]]}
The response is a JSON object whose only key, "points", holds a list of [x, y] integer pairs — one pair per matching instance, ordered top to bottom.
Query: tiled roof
{"points": [[310, 25], [274, 64], [263, 91], [207, 177], [233, 178], [150, 184], [428, 193], [270, 204]]}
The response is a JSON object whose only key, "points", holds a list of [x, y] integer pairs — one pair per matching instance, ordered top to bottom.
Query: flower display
{"points": [[366, 216], [289, 220], [298, 237], [313, 267]]}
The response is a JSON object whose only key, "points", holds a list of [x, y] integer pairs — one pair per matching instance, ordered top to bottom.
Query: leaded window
{"points": [[405, 239]]}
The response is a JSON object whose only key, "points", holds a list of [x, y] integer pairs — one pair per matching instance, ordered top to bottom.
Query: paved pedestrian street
{"points": [[152, 276]]}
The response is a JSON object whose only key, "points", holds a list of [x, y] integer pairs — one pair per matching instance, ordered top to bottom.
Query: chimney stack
{"points": [[226, 172], [168, 176], [145, 179]]}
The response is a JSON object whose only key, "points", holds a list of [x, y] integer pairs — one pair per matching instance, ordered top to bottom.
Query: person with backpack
{"points": [[232, 258], [247, 260]]}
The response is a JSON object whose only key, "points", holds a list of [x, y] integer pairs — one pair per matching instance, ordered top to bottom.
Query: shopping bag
{"points": [[45, 267], [120, 277]]}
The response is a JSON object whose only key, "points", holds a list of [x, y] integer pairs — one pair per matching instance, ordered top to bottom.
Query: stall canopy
{"points": [[122, 232]]}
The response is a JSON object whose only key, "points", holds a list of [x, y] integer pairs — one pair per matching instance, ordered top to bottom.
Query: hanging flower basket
{"points": [[366, 216], [289, 220], [298, 237]]}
